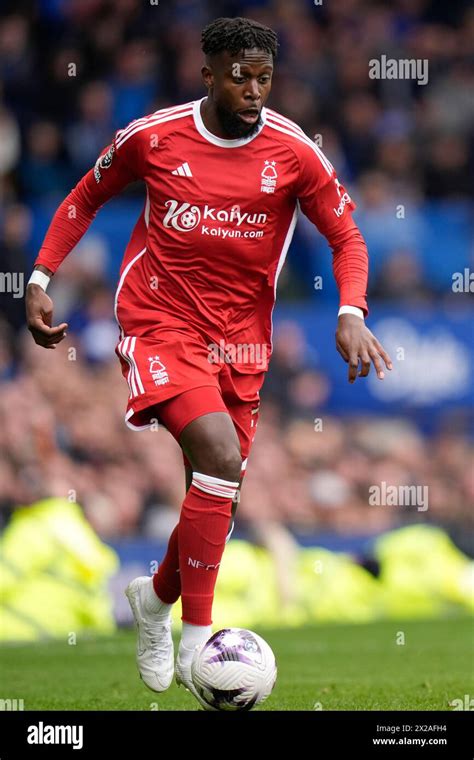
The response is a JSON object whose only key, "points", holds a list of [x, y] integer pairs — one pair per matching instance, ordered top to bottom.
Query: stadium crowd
{"points": [[74, 71]]}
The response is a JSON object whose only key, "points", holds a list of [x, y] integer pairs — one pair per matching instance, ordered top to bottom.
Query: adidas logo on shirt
{"points": [[183, 170]]}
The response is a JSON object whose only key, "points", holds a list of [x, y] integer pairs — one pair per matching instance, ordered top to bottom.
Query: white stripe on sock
{"points": [[215, 486]]}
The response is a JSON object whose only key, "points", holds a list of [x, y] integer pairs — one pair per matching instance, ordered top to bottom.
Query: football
{"points": [[234, 670]]}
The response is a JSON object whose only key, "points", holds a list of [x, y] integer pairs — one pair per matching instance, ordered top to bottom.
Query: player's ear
{"points": [[207, 76]]}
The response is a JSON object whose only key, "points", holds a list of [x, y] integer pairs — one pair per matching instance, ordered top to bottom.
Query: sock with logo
{"points": [[202, 530], [166, 580]]}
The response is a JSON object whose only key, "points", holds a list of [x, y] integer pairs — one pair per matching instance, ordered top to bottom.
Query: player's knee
{"points": [[221, 461]]}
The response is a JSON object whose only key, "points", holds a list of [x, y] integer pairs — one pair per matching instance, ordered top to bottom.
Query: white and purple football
{"points": [[234, 670]]}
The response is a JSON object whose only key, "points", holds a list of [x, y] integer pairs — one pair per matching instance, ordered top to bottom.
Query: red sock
{"points": [[202, 531], [166, 580]]}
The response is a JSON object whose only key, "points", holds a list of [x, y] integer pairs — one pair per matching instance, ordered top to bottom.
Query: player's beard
{"points": [[235, 127]]}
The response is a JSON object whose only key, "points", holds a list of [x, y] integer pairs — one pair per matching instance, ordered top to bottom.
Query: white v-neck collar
{"points": [[220, 141]]}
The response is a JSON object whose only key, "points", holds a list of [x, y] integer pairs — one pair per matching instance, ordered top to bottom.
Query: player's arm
{"points": [[118, 165], [327, 204], [39, 310]]}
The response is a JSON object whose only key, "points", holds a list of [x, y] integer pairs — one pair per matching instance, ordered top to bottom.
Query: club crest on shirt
{"points": [[103, 162], [269, 177], [158, 370]]}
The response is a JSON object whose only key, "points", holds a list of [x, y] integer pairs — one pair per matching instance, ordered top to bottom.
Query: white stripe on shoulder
{"points": [[172, 109], [144, 119], [285, 121], [277, 122], [151, 123], [304, 139]]}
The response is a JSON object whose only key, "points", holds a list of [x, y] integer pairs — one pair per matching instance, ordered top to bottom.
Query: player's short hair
{"points": [[235, 34]]}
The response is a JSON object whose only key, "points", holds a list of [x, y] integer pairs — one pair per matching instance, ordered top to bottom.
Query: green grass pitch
{"points": [[328, 667]]}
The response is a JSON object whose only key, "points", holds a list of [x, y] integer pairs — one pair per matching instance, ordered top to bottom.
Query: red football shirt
{"points": [[217, 223]]}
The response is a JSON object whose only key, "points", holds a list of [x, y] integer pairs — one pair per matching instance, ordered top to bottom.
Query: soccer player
{"points": [[225, 178]]}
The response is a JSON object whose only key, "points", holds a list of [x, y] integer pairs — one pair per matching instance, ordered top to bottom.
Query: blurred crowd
{"points": [[74, 71]]}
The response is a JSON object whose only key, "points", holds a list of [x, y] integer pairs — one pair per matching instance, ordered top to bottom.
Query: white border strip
{"points": [[156, 114], [152, 123], [304, 139], [281, 261], [120, 285], [122, 348], [138, 379]]}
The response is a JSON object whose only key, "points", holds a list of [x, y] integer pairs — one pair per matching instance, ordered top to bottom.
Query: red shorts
{"points": [[175, 373]]}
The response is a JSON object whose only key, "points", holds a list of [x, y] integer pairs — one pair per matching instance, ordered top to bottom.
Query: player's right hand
{"points": [[39, 315]]}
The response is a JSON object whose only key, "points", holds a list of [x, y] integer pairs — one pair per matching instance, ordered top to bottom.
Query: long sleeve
{"points": [[118, 165], [328, 205]]}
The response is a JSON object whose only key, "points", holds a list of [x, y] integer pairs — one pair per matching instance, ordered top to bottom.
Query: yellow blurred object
{"points": [[54, 571], [423, 573], [334, 588]]}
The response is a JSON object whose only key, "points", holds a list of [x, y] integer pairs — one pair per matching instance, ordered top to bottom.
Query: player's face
{"points": [[239, 86]]}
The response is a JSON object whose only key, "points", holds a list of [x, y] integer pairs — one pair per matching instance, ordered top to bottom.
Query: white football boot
{"points": [[155, 651], [183, 674]]}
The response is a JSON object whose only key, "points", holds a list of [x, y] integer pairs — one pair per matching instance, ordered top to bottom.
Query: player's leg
{"points": [[161, 367], [240, 393], [241, 396], [212, 446], [211, 488], [167, 581]]}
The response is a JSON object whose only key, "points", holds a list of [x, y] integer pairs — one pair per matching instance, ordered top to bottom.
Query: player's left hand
{"points": [[357, 344]]}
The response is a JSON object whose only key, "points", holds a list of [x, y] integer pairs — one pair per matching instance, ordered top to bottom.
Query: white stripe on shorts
{"points": [[126, 350]]}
